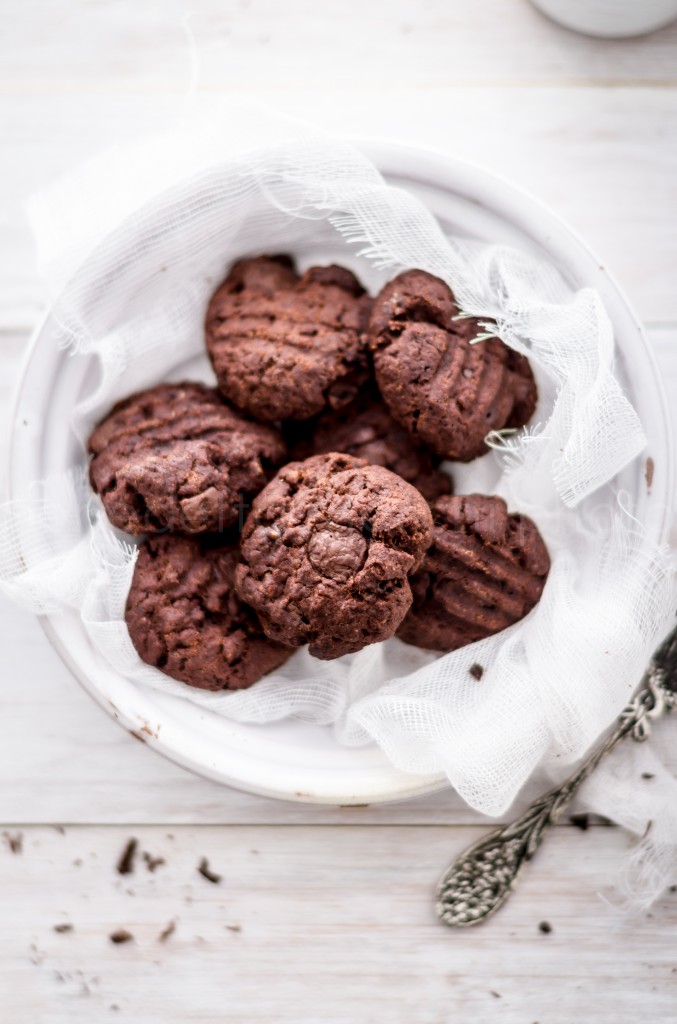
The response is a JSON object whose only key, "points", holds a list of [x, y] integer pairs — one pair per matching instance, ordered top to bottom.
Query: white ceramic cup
{"points": [[611, 19]]}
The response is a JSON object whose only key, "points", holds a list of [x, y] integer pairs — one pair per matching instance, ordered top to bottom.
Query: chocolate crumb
{"points": [[648, 472], [476, 671], [648, 775], [581, 821], [15, 842], [153, 862], [125, 864], [206, 872], [673, 888], [234, 927], [545, 927], [61, 929], [167, 931], [120, 936], [496, 995]]}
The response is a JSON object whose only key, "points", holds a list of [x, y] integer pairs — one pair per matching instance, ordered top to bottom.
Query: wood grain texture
{"points": [[388, 43], [335, 927]]}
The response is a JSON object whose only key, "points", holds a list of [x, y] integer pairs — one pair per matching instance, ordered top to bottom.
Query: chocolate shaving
{"points": [[15, 842], [153, 862], [125, 865], [206, 872], [167, 931]]}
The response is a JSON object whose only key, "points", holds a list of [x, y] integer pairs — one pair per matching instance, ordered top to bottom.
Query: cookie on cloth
{"points": [[284, 346], [447, 392], [365, 429], [178, 457], [327, 551], [484, 570], [185, 618]]}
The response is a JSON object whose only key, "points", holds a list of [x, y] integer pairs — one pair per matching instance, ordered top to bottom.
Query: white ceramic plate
{"points": [[293, 760]]}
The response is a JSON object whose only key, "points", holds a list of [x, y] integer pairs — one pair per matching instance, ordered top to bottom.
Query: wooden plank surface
{"points": [[319, 925]]}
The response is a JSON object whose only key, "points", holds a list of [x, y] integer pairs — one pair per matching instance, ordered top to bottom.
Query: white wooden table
{"points": [[321, 915]]}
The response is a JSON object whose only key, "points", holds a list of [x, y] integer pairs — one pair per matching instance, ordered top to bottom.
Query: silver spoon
{"points": [[478, 882]]}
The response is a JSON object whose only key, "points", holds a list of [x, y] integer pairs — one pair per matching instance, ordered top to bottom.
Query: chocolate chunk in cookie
{"points": [[285, 347], [447, 392], [365, 429], [178, 457], [327, 550], [484, 570], [185, 618]]}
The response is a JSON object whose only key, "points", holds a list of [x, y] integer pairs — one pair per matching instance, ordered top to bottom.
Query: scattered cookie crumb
{"points": [[648, 472], [476, 671], [648, 775], [581, 821], [15, 842], [153, 862], [125, 864], [206, 872], [234, 927], [545, 927], [61, 929], [167, 931], [120, 936], [496, 995]]}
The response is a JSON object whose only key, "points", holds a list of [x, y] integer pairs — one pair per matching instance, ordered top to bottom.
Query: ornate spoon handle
{"points": [[482, 878]]}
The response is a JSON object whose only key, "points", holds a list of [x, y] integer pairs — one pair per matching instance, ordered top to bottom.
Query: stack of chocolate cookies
{"points": [[302, 501]]}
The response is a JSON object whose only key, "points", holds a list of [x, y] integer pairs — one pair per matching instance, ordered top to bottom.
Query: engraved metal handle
{"points": [[481, 879]]}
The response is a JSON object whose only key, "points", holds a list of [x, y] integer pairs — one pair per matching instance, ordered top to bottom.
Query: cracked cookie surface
{"points": [[284, 346], [447, 392], [365, 429], [178, 457], [327, 551], [484, 570], [185, 618]]}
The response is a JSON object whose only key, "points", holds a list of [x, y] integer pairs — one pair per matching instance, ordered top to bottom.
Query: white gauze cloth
{"points": [[132, 246]]}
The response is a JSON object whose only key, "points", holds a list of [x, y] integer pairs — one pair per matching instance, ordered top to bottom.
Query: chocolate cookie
{"points": [[285, 347], [447, 392], [365, 429], [178, 457], [327, 550], [484, 570], [185, 618]]}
